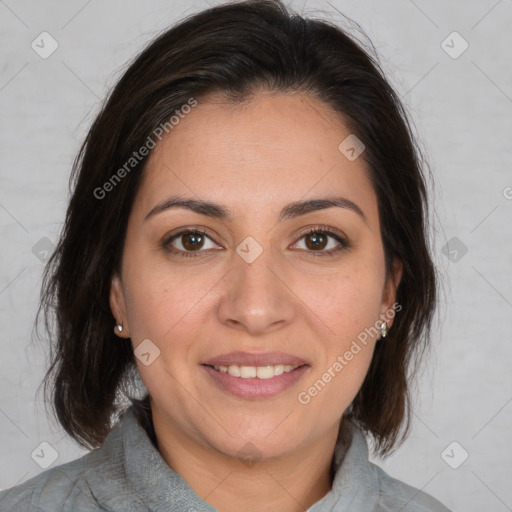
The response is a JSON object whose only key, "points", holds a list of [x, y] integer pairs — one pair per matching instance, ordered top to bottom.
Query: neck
{"points": [[292, 483]]}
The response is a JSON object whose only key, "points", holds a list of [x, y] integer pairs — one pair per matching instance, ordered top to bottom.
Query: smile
{"points": [[258, 372], [254, 382]]}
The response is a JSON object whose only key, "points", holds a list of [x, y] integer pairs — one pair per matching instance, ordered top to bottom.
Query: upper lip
{"points": [[255, 359]]}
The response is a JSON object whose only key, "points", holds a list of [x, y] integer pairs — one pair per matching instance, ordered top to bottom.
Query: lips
{"points": [[255, 359], [252, 375], [254, 388]]}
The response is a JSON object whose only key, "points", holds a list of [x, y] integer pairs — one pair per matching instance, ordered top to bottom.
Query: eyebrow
{"points": [[220, 212]]}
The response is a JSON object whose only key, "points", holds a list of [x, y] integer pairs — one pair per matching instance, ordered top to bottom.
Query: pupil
{"points": [[193, 241]]}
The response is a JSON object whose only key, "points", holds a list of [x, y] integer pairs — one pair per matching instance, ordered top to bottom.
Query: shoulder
{"points": [[96, 481], [359, 484], [63, 487], [395, 495]]}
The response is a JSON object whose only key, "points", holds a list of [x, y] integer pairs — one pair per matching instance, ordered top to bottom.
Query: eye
{"points": [[317, 241], [322, 241], [186, 243]]}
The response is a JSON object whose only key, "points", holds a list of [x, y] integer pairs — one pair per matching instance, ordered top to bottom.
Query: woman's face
{"points": [[275, 278]]}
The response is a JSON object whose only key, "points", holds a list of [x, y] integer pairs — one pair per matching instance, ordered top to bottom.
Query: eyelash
{"points": [[343, 242]]}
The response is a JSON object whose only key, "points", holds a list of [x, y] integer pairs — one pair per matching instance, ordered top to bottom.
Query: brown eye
{"points": [[192, 241], [316, 241], [322, 242], [189, 243]]}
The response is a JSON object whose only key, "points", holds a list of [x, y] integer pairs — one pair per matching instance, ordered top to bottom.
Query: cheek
{"points": [[347, 300], [161, 301], [348, 303], [169, 307], [165, 312], [342, 365]]}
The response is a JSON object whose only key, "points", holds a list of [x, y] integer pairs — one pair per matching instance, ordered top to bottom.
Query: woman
{"points": [[247, 234]]}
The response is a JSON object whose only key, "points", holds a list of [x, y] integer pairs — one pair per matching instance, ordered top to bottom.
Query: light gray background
{"points": [[462, 108]]}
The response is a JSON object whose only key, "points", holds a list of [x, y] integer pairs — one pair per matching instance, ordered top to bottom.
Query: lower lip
{"points": [[254, 387]]}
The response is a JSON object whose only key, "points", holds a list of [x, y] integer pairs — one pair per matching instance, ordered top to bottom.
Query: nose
{"points": [[256, 297]]}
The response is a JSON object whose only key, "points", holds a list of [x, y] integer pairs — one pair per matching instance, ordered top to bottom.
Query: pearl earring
{"points": [[119, 327], [383, 329]]}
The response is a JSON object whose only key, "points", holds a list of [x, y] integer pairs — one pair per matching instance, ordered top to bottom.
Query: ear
{"points": [[390, 288], [118, 307]]}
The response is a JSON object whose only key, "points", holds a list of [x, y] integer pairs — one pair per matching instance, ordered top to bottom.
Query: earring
{"points": [[119, 327], [383, 329]]}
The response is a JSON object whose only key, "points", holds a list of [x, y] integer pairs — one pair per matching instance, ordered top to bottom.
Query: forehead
{"points": [[270, 150]]}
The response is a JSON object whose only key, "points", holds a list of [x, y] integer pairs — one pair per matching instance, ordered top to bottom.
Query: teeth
{"points": [[251, 372]]}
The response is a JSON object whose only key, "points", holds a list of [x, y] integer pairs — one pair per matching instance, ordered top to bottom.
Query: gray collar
{"points": [[139, 478]]}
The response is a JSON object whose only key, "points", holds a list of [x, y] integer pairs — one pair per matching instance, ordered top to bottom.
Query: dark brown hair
{"points": [[233, 49]]}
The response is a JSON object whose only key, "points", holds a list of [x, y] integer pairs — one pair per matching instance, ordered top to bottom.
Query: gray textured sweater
{"points": [[128, 474]]}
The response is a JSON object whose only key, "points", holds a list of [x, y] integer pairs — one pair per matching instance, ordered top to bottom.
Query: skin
{"points": [[253, 159]]}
